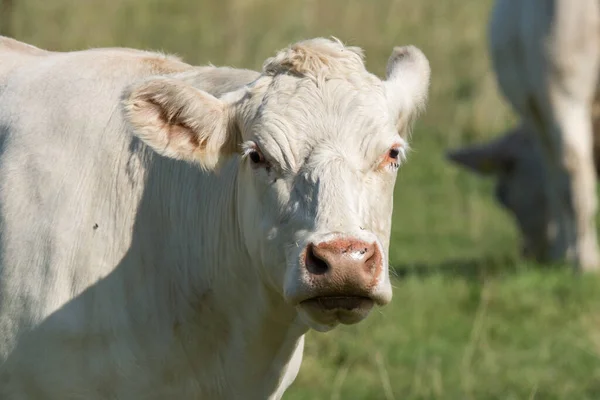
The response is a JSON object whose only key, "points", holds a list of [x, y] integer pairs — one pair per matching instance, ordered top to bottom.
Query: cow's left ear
{"points": [[407, 85], [180, 121]]}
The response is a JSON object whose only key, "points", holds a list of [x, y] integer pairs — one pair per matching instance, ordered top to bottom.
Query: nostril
{"points": [[369, 252], [372, 259], [314, 264]]}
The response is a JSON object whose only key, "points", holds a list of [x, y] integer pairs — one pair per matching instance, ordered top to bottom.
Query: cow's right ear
{"points": [[180, 121]]}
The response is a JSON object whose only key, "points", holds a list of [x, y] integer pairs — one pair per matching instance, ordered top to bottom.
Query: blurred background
{"points": [[469, 320]]}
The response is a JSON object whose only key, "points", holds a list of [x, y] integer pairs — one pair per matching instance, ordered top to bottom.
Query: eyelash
{"points": [[394, 157], [257, 159]]}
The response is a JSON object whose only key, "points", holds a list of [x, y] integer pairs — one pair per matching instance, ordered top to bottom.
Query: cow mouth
{"points": [[346, 309]]}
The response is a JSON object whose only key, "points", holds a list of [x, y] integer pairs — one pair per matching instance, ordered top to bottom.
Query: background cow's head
{"points": [[320, 141], [516, 163]]}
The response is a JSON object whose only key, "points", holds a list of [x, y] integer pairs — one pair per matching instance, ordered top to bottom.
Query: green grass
{"points": [[468, 319], [513, 336]]}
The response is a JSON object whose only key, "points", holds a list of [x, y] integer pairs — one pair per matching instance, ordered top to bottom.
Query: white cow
{"points": [[547, 58], [171, 232]]}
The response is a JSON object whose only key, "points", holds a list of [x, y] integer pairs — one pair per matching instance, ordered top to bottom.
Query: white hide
{"points": [[130, 268]]}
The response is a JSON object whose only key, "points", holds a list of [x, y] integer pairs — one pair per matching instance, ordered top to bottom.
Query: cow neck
{"points": [[187, 263]]}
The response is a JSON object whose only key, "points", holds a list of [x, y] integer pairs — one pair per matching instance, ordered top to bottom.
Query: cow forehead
{"points": [[289, 96], [345, 115]]}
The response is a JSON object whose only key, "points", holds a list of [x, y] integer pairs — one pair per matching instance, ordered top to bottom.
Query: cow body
{"points": [[547, 58], [97, 210], [128, 271]]}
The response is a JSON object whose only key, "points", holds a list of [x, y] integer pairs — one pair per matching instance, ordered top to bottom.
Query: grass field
{"points": [[468, 319]]}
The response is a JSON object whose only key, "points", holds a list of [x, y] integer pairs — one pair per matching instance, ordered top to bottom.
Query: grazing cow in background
{"points": [[547, 56], [171, 232]]}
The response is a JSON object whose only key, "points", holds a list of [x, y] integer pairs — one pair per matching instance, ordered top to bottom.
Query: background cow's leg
{"points": [[596, 129], [565, 132], [578, 159]]}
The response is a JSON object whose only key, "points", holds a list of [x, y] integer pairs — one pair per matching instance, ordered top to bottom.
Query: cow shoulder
{"points": [[11, 45], [14, 53], [62, 137]]}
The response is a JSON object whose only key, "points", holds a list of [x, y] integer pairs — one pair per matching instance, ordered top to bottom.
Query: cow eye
{"points": [[394, 153], [256, 157], [393, 157]]}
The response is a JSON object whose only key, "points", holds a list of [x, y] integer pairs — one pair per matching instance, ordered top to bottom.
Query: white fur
{"points": [[127, 274]]}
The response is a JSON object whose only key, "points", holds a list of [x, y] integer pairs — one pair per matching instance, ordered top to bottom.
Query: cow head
{"points": [[319, 141], [516, 163]]}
